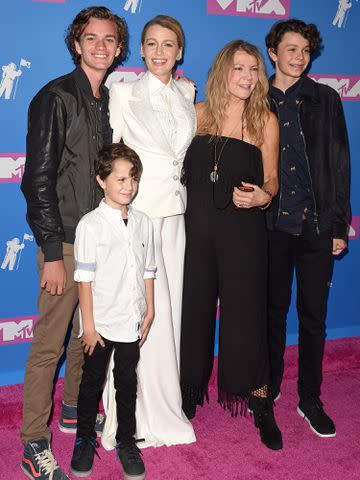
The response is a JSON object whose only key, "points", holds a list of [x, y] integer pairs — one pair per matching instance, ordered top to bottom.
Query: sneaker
{"points": [[263, 412], [68, 420], [320, 423], [83, 456], [131, 461], [38, 462]]}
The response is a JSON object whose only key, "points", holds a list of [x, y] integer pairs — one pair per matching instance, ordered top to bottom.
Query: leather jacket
{"points": [[322, 122], [64, 136]]}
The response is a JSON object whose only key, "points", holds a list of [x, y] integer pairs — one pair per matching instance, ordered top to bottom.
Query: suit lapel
{"points": [[187, 105], [141, 107]]}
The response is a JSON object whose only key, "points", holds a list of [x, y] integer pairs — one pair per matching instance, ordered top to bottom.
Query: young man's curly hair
{"points": [[307, 30], [74, 31]]}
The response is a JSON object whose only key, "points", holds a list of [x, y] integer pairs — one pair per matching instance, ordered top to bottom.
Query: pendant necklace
{"points": [[214, 175]]}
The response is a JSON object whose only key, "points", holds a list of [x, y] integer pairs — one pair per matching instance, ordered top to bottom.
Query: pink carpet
{"points": [[230, 448]]}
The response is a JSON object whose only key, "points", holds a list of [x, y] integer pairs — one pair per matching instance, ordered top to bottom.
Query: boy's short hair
{"points": [[76, 28], [308, 30], [117, 151]]}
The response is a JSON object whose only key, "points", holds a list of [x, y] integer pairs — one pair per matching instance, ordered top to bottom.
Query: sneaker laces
{"points": [[315, 405], [85, 442], [132, 452], [47, 462]]}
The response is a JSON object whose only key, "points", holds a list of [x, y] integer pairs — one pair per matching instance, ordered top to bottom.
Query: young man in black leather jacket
{"points": [[67, 126], [308, 220]]}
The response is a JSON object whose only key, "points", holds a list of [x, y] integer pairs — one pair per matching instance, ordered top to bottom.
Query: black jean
{"points": [[310, 255], [126, 357]]}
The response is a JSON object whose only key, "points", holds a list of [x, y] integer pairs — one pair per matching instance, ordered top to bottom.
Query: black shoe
{"points": [[189, 409], [263, 411], [68, 420], [320, 423], [83, 456], [131, 461], [38, 462]]}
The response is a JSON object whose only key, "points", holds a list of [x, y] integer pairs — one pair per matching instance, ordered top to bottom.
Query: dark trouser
{"points": [[311, 256], [126, 357]]}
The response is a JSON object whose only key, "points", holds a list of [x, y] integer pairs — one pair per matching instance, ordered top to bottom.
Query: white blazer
{"points": [[132, 119]]}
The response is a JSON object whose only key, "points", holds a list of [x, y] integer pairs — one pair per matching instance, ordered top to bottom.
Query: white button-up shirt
{"points": [[167, 107], [116, 259]]}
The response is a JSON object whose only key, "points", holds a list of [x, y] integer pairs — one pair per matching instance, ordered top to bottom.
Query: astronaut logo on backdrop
{"points": [[133, 5], [250, 8], [342, 13], [10, 78], [347, 86], [13, 252], [16, 330]]}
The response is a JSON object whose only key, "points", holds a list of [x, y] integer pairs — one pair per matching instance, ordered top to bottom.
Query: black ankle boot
{"points": [[265, 421]]}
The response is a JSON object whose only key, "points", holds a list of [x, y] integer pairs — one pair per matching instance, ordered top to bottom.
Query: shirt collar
{"points": [[85, 86], [157, 86], [292, 91], [112, 213]]}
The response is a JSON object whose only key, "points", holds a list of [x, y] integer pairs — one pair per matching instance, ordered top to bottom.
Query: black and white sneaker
{"points": [[68, 420], [320, 423], [83, 456], [131, 461], [38, 462]]}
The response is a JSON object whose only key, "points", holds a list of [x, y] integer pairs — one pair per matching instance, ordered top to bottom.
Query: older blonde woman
{"points": [[231, 177]]}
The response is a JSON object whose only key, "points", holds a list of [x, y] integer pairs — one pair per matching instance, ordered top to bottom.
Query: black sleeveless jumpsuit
{"points": [[225, 258]]}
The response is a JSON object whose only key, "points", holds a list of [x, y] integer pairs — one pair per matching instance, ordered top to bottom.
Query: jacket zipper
{"points": [[95, 109], [308, 166], [279, 168]]}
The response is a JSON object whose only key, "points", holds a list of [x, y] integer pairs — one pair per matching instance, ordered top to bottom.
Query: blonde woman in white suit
{"points": [[155, 116]]}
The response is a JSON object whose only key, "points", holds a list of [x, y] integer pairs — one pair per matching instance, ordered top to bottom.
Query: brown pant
{"points": [[55, 315]]}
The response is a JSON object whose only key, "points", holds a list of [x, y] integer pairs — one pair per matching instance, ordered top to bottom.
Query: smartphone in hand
{"points": [[246, 189]]}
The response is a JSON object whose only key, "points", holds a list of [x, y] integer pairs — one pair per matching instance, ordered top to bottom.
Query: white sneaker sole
{"points": [[72, 431], [322, 435], [80, 474], [134, 477]]}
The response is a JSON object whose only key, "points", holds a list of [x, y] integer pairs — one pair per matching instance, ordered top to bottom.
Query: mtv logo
{"points": [[250, 8], [126, 74], [347, 86], [11, 167], [354, 228], [16, 330]]}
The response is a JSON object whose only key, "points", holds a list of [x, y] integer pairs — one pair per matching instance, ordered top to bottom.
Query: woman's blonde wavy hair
{"points": [[217, 95]]}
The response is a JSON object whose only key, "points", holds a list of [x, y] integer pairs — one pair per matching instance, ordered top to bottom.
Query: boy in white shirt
{"points": [[115, 268]]}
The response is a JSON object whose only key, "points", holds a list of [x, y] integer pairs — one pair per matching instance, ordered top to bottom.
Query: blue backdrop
{"points": [[33, 52]]}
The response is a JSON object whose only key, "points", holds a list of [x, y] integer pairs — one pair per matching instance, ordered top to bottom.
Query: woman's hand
{"points": [[250, 199]]}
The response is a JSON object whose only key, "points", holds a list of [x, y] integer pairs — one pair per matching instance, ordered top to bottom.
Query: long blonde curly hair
{"points": [[256, 110]]}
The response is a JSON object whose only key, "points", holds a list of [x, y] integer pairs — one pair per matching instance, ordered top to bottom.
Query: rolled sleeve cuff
{"points": [[52, 251], [84, 272], [150, 272]]}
